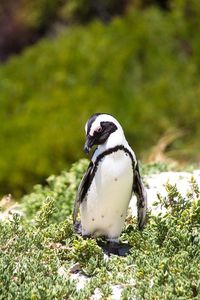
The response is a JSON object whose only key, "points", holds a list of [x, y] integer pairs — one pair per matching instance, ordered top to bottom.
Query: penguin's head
{"points": [[98, 129]]}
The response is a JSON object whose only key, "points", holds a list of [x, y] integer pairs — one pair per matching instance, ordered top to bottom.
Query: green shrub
{"points": [[143, 69], [55, 200], [172, 246], [39, 251]]}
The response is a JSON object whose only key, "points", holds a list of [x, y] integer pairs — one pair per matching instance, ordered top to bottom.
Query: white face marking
{"points": [[86, 125], [96, 125]]}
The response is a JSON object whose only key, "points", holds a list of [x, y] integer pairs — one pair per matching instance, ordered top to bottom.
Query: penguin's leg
{"points": [[85, 234], [113, 242], [109, 245], [113, 246], [117, 248]]}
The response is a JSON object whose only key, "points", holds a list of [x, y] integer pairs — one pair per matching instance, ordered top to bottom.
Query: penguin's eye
{"points": [[99, 129]]}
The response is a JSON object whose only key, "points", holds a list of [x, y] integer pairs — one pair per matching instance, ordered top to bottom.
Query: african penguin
{"points": [[112, 176]]}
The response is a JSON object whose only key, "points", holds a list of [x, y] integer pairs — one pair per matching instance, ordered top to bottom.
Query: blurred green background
{"points": [[62, 61]]}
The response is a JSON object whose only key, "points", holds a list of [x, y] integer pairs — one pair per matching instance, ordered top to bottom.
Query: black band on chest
{"points": [[112, 150], [104, 154]]}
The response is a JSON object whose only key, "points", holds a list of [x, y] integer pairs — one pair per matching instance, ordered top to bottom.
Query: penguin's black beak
{"points": [[88, 144]]}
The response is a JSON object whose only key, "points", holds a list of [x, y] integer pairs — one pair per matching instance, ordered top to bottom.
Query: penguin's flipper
{"points": [[82, 190], [140, 192]]}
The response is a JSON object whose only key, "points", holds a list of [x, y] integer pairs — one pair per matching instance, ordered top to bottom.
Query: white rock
{"points": [[156, 185], [116, 292]]}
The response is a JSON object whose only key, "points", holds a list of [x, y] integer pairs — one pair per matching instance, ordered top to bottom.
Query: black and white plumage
{"points": [[112, 176]]}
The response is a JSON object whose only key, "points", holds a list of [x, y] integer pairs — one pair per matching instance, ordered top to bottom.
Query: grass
{"points": [[38, 250]]}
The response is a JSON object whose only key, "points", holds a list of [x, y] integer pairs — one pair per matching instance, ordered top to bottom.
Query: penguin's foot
{"points": [[86, 236], [113, 247]]}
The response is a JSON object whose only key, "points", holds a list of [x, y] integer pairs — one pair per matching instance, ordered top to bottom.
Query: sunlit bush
{"points": [[143, 69], [40, 250]]}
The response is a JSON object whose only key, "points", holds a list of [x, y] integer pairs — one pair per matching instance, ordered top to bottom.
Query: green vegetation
{"points": [[143, 68], [38, 250]]}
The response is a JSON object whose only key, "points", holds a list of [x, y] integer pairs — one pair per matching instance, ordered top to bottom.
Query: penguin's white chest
{"points": [[104, 210]]}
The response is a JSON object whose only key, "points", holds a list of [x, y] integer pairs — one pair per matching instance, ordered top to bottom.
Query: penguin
{"points": [[107, 186]]}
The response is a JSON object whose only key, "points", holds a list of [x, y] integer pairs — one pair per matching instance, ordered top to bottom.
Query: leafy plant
{"points": [[40, 251]]}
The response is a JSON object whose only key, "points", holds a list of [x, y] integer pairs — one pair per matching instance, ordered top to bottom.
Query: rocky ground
{"points": [[156, 185]]}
